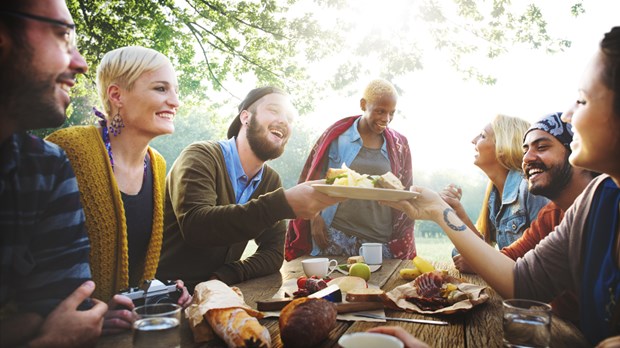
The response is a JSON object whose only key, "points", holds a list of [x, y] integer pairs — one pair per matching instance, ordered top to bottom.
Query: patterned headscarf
{"points": [[554, 125]]}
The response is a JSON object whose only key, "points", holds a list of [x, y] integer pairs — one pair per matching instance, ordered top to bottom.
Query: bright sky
{"points": [[440, 113]]}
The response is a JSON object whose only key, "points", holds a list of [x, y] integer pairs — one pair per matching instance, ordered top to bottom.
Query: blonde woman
{"points": [[121, 179], [508, 207]]}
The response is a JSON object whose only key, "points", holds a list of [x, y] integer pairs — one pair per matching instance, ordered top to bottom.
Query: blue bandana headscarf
{"points": [[554, 125]]}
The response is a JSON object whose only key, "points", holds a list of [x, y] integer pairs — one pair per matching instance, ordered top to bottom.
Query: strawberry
{"points": [[301, 282]]}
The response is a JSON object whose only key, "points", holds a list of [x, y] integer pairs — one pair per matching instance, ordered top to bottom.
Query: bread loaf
{"points": [[389, 181], [355, 259], [348, 283], [365, 295], [219, 310], [306, 321], [237, 328]]}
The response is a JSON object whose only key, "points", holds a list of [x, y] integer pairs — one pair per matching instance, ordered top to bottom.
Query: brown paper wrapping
{"points": [[210, 295], [475, 296]]}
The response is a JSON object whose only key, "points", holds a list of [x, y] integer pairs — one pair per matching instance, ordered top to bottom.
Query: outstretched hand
{"points": [[452, 194], [307, 202], [428, 205]]}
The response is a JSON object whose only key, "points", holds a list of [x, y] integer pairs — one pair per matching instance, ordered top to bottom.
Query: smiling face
{"points": [[38, 72], [150, 105], [379, 112], [269, 123], [596, 143], [484, 144], [545, 164]]}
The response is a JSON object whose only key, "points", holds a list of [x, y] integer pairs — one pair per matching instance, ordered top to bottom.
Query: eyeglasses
{"points": [[70, 38]]}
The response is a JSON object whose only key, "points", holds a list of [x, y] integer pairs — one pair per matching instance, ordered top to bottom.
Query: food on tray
{"points": [[348, 177], [389, 181], [423, 265], [410, 273], [349, 283], [307, 286], [434, 290], [365, 295], [306, 321], [237, 328]]}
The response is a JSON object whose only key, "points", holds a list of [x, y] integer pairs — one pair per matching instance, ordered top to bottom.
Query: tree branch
{"points": [[229, 15]]}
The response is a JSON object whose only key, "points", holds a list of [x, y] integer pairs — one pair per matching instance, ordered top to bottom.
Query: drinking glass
{"points": [[526, 323], [157, 325]]}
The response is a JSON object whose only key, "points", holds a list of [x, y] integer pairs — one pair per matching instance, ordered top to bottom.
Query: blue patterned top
{"points": [[43, 239], [600, 290]]}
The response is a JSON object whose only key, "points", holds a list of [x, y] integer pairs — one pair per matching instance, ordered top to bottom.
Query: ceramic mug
{"points": [[372, 253], [320, 267], [369, 340]]}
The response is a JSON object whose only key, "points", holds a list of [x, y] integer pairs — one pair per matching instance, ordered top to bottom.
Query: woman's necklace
{"points": [[106, 140]]}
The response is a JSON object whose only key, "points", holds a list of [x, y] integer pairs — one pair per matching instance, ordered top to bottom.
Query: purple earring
{"points": [[116, 124]]}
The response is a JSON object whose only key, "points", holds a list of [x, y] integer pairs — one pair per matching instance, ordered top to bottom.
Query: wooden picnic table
{"points": [[478, 327]]}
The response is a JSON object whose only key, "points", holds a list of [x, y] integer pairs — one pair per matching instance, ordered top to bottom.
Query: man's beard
{"points": [[27, 96], [260, 145], [560, 178]]}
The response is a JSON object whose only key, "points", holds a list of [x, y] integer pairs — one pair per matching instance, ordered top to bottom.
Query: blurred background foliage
{"points": [[216, 44]]}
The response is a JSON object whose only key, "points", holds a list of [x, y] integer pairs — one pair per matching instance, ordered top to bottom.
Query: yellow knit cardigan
{"points": [[103, 207]]}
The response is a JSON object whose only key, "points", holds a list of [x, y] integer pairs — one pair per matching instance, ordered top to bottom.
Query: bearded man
{"points": [[220, 195], [44, 269]]}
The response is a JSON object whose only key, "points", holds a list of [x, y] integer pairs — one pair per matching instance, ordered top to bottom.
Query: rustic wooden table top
{"points": [[479, 327]]}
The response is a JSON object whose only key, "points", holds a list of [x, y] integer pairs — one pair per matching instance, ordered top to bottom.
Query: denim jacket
{"points": [[344, 150], [517, 210]]}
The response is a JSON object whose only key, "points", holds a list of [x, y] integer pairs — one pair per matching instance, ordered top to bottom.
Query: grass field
{"points": [[432, 249]]}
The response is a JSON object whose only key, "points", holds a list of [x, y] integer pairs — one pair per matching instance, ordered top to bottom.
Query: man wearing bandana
{"points": [[546, 148], [220, 195]]}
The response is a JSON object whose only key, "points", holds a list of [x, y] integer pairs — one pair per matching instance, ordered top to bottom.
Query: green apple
{"points": [[360, 270]]}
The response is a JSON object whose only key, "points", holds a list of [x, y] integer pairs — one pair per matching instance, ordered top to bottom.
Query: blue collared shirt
{"points": [[344, 149], [243, 187]]}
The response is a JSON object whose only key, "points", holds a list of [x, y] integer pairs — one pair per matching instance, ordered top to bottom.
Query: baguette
{"points": [[237, 328]]}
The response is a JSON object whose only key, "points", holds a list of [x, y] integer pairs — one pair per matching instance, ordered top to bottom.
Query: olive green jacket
{"points": [[206, 232]]}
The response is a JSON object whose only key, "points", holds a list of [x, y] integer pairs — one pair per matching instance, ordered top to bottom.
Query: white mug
{"points": [[372, 253], [320, 267], [369, 340]]}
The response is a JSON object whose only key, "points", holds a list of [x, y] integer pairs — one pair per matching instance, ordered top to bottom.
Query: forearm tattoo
{"points": [[451, 225]]}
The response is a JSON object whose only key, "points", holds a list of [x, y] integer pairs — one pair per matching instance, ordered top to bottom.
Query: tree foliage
{"points": [[213, 42], [304, 46]]}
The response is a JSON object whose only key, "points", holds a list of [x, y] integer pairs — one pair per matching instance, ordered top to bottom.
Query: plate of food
{"points": [[347, 183], [373, 194], [436, 292]]}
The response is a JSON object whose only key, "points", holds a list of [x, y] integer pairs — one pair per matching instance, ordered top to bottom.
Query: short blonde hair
{"points": [[123, 66], [377, 88], [509, 132]]}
